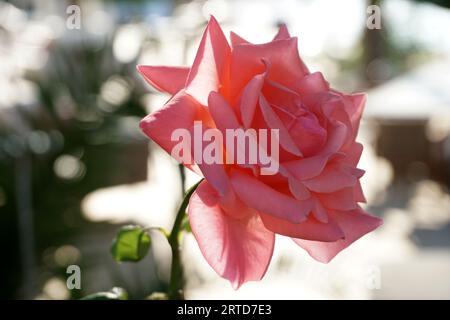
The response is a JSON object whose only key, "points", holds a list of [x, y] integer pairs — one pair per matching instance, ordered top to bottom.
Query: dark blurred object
{"points": [[442, 3], [79, 135], [405, 145]]}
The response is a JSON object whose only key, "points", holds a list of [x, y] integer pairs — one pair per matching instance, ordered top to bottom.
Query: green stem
{"points": [[176, 272]]}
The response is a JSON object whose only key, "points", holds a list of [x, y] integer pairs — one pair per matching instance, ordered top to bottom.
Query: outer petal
{"points": [[282, 33], [236, 39], [210, 69], [167, 79], [313, 83], [355, 110], [180, 112], [353, 153], [358, 193], [263, 198], [343, 199], [355, 224], [310, 229], [237, 249]]}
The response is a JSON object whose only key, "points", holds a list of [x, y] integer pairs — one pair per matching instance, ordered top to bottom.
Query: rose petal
{"points": [[282, 33], [236, 39], [286, 66], [209, 70], [163, 78], [313, 83], [281, 96], [249, 99], [334, 109], [355, 109], [180, 112], [222, 113], [225, 119], [274, 122], [308, 134], [336, 137], [353, 153], [307, 168], [214, 172], [333, 178], [298, 190], [358, 193], [264, 199], [343, 199], [319, 212], [355, 224], [311, 229], [237, 249]]}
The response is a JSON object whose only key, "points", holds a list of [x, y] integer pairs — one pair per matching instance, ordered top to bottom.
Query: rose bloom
{"points": [[236, 211]]}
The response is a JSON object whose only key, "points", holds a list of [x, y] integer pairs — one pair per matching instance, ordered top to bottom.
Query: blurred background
{"points": [[74, 166]]}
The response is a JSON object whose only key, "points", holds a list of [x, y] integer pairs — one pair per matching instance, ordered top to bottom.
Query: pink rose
{"points": [[236, 211]]}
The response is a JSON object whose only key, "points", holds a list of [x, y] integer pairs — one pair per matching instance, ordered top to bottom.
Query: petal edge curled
{"points": [[163, 78], [354, 224]]}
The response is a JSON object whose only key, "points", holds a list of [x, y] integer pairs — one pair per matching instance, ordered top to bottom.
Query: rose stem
{"points": [[176, 272]]}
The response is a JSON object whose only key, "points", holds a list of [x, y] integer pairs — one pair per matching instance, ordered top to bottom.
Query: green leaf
{"points": [[131, 244], [114, 294]]}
